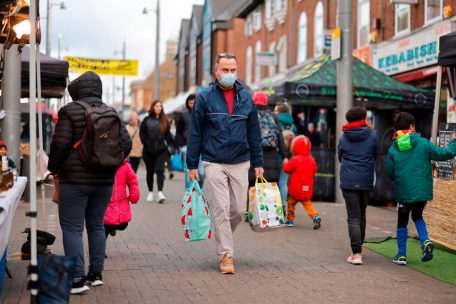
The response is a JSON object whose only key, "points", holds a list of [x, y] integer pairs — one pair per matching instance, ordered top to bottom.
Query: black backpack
{"points": [[99, 147]]}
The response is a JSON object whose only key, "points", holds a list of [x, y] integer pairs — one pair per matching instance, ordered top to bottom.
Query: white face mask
{"points": [[227, 80]]}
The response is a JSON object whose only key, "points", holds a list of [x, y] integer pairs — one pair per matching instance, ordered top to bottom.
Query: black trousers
{"points": [[134, 162], [155, 164], [356, 202], [404, 210]]}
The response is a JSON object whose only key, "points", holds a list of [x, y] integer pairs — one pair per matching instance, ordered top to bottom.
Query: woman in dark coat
{"points": [[157, 142]]}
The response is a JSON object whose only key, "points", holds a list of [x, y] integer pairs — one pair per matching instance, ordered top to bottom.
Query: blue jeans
{"points": [[200, 169], [283, 187], [79, 204]]}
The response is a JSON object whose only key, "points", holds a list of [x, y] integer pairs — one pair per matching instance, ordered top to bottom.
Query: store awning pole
{"points": [[435, 116]]}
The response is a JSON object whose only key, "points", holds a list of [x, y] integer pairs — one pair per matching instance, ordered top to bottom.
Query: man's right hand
{"points": [[192, 174]]}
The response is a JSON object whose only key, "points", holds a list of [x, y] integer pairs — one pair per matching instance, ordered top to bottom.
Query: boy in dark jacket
{"points": [[357, 152], [408, 164], [302, 168]]}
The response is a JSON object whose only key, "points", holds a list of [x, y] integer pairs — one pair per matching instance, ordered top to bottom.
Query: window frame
{"points": [[319, 4], [302, 17], [435, 19], [358, 30], [406, 31], [248, 65]]}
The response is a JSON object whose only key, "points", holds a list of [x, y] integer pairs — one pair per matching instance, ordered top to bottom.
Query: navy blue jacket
{"points": [[220, 137], [357, 152]]}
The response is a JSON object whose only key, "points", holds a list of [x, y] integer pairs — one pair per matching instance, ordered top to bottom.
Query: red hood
{"points": [[301, 145]]}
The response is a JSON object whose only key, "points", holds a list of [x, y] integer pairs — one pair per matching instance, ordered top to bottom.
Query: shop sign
{"points": [[335, 44], [415, 51], [363, 54], [266, 58]]}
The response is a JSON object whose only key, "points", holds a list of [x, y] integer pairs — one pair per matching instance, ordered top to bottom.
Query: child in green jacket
{"points": [[408, 164]]}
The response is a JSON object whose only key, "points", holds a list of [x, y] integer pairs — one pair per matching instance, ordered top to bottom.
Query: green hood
{"points": [[285, 119], [406, 142]]}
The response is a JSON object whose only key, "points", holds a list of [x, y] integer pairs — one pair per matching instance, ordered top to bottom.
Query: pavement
{"points": [[150, 262]]}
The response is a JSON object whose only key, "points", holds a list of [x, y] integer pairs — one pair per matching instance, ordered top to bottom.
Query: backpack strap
{"points": [[86, 108]]}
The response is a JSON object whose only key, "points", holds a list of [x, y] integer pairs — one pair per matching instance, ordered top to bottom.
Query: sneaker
{"points": [[150, 197], [161, 197], [317, 222], [290, 223], [428, 248], [355, 259], [400, 260], [226, 265], [94, 279], [79, 286]]}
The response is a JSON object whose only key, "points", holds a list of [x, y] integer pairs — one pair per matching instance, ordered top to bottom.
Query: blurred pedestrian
{"points": [[182, 126], [224, 129], [157, 146], [136, 151], [357, 151], [3, 152], [408, 164]]}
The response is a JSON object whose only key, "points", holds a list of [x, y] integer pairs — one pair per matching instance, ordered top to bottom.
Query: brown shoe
{"points": [[226, 264]]}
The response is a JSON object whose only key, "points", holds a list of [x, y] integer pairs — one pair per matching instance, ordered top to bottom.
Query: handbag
{"points": [[176, 162], [265, 206], [196, 216], [55, 278]]}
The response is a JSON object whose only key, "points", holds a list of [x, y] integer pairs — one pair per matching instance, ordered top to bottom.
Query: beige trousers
{"points": [[226, 189]]}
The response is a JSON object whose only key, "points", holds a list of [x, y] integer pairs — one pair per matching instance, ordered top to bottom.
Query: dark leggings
{"points": [[134, 162], [155, 163], [403, 212]]}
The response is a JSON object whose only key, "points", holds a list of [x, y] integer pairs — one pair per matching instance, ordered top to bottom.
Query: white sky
{"points": [[97, 28]]}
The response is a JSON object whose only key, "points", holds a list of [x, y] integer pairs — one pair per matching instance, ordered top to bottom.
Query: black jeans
{"points": [[134, 162], [155, 163], [356, 203], [403, 212]]}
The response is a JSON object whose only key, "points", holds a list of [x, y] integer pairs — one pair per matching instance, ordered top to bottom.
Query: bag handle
{"points": [[260, 180], [196, 186]]}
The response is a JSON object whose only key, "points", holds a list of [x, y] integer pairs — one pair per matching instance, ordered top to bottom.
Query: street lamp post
{"points": [[48, 23], [157, 49], [124, 57]]}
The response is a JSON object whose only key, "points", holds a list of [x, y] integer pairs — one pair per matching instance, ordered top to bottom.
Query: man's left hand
{"points": [[259, 172]]}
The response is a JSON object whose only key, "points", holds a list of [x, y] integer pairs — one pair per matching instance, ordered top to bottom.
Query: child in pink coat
{"points": [[118, 213]]}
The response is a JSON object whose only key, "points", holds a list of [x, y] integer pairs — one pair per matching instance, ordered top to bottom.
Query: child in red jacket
{"points": [[302, 168], [118, 213]]}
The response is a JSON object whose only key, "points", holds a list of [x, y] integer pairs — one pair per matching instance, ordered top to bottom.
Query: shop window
{"points": [[433, 10], [402, 19], [363, 22], [319, 33], [302, 47], [248, 66], [257, 66], [272, 68]]}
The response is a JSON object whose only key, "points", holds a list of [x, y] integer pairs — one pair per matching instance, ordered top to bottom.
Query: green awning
{"points": [[315, 83]]}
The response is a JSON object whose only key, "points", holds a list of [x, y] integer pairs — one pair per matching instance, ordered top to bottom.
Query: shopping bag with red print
{"points": [[196, 216]]}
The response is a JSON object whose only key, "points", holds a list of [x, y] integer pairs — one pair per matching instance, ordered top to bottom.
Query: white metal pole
{"points": [[48, 27], [157, 54], [32, 101], [435, 116], [40, 133]]}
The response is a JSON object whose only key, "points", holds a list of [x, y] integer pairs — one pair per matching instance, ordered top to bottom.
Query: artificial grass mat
{"points": [[441, 267]]}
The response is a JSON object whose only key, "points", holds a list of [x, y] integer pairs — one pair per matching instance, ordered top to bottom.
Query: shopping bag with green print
{"points": [[265, 206]]}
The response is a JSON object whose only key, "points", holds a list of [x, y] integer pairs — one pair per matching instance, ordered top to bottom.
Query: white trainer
{"points": [[150, 197], [161, 197], [355, 259]]}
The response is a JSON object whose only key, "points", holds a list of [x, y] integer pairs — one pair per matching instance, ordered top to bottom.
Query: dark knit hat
{"points": [[356, 114], [402, 120], [3, 145]]}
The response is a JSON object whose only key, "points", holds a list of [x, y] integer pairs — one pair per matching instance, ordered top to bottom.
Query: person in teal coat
{"points": [[408, 164]]}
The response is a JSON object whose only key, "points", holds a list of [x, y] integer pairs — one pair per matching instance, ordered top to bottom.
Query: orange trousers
{"points": [[308, 206]]}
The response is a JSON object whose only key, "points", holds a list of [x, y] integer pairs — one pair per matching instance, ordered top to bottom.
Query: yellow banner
{"points": [[103, 66]]}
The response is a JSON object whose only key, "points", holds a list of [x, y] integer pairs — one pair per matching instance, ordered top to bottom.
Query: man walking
{"points": [[224, 129]]}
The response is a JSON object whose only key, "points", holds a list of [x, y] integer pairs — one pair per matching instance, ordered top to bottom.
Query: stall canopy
{"points": [[447, 58], [54, 74], [316, 83]]}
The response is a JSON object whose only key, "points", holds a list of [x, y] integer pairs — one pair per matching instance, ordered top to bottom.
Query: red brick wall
{"points": [[199, 60]]}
